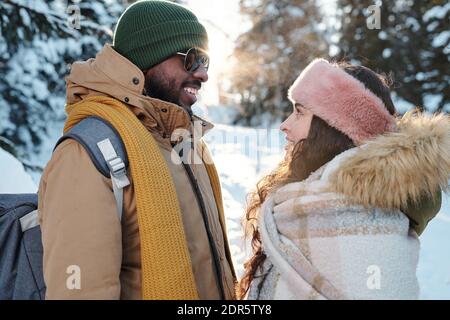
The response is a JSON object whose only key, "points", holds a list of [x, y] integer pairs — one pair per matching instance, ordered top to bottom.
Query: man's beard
{"points": [[160, 87]]}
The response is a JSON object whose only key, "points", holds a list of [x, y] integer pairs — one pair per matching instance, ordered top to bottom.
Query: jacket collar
{"points": [[111, 74]]}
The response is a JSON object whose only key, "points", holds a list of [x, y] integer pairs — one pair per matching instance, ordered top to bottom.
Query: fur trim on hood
{"points": [[398, 167]]}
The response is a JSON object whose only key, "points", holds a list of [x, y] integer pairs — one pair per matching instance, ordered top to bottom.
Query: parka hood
{"points": [[397, 168]]}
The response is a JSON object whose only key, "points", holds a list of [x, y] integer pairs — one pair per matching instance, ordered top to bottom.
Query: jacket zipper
{"points": [[212, 245]]}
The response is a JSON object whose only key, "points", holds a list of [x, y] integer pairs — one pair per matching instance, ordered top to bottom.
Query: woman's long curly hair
{"points": [[321, 146]]}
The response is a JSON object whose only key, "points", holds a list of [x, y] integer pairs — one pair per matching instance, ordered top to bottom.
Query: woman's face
{"points": [[296, 126]]}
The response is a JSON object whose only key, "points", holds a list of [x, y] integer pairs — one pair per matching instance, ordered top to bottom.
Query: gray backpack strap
{"points": [[105, 148], [117, 169], [29, 221]]}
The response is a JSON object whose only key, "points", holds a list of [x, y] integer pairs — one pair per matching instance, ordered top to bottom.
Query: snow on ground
{"points": [[240, 167], [14, 179], [434, 263]]}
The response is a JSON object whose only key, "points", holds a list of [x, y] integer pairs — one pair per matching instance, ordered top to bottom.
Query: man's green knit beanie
{"points": [[150, 31]]}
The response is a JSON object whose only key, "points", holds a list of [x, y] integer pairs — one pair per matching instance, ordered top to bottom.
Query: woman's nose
{"points": [[283, 126]]}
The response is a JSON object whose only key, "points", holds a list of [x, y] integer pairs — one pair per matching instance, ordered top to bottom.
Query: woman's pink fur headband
{"points": [[342, 101]]}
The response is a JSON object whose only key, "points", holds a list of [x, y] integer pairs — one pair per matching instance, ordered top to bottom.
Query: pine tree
{"points": [[284, 38], [38, 42], [412, 44]]}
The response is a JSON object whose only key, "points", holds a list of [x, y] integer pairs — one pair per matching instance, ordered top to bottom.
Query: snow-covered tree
{"points": [[285, 36], [38, 42], [411, 43]]}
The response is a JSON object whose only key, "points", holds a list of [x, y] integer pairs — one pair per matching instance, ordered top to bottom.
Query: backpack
{"points": [[21, 251]]}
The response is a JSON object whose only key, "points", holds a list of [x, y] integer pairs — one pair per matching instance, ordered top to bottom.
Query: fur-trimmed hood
{"points": [[397, 168]]}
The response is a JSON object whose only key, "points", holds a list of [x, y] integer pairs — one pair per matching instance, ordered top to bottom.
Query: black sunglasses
{"points": [[195, 58]]}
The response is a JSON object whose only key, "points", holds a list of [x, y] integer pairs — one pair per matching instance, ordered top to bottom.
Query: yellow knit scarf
{"points": [[166, 265]]}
